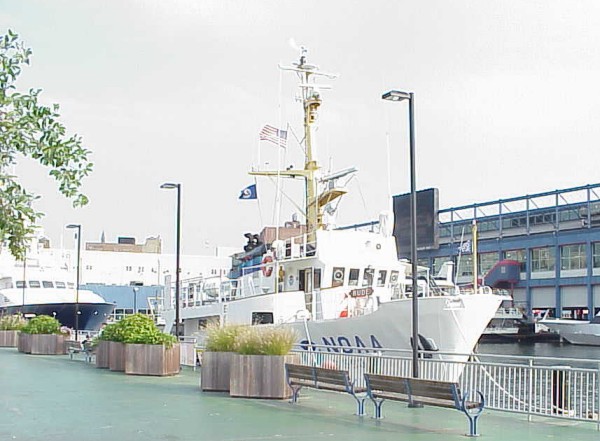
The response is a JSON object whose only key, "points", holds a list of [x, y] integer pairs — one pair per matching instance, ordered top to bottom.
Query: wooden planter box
{"points": [[9, 339], [24, 343], [47, 344], [102, 354], [116, 356], [152, 359], [215, 371], [260, 376]]}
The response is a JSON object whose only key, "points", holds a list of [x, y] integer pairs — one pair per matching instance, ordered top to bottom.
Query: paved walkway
{"points": [[45, 398]]}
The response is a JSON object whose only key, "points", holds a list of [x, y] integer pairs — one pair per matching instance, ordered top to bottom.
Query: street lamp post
{"points": [[395, 95], [169, 185], [78, 227]]}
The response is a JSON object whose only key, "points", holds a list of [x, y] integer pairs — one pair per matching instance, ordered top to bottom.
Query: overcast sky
{"points": [[177, 91]]}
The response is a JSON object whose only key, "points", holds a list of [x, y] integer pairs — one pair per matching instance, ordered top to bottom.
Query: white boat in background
{"points": [[41, 287], [342, 290], [577, 332]]}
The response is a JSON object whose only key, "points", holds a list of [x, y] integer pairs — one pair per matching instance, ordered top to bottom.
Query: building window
{"points": [[596, 254], [519, 256], [572, 257], [542, 259], [438, 262], [487, 262], [464, 266]]}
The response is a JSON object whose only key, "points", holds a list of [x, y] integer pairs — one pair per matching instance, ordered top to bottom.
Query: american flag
{"points": [[274, 135]]}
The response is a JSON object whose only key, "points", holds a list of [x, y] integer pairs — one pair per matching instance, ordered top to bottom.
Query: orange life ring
{"points": [[267, 269]]}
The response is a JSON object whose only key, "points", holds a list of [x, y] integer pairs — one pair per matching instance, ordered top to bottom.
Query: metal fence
{"points": [[560, 388]]}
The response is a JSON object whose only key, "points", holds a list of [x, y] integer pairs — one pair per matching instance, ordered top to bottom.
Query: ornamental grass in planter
{"points": [[10, 326], [42, 336], [148, 351], [217, 356], [258, 368]]}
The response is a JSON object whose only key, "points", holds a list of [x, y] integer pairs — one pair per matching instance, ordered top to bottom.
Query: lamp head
{"points": [[395, 95], [169, 185], [74, 226]]}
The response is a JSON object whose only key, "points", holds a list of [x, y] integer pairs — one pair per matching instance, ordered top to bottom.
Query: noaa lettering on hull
{"points": [[341, 290]]}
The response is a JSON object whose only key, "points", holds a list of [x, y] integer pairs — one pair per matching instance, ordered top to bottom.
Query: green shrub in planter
{"points": [[12, 322], [42, 324], [140, 329], [111, 333], [263, 340]]}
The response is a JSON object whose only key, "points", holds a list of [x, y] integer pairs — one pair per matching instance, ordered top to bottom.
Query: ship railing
{"points": [[296, 247], [534, 386]]}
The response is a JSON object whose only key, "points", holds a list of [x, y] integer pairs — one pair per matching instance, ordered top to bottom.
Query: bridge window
{"points": [[573, 257], [542, 259], [368, 276], [353, 277], [381, 278], [20, 284], [34, 284], [47, 284], [60, 285]]}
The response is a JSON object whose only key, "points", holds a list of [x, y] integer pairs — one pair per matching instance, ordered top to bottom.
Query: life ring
{"points": [[267, 269]]}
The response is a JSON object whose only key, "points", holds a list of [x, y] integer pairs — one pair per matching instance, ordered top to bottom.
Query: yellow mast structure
{"points": [[311, 100]]}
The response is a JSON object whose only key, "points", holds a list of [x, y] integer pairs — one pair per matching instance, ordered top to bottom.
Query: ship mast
{"points": [[311, 100]]}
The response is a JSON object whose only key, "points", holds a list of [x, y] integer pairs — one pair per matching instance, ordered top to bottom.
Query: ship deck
{"points": [[54, 398]]}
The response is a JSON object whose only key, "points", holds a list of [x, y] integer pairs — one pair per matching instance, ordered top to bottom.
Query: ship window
{"points": [[368, 275], [337, 277], [353, 277], [381, 278], [394, 278], [20, 284], [34, 284], [47, 284], [60, 284], [262, 318]]}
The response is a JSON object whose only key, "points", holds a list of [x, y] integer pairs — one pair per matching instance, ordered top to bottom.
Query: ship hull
{"points": [[91, 315]]}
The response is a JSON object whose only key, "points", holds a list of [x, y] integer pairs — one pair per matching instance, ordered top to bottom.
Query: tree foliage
{"points": [[30, 129]]}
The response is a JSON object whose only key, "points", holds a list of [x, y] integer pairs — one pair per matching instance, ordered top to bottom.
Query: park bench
{"points": [[75, 347], [299, 376], [417, 392]]}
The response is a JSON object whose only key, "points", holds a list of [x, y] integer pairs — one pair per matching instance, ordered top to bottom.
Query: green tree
{"points": [[29, 129]]}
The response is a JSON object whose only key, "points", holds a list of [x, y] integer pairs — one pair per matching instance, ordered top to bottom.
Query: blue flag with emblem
{"points": [[249, 192]]}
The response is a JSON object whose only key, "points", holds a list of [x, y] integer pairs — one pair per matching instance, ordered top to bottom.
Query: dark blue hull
{"points": [[91, 315]]}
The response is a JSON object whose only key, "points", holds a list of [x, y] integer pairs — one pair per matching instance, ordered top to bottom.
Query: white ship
{"points": [[41, 284], [341, 289]]}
